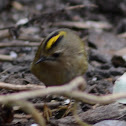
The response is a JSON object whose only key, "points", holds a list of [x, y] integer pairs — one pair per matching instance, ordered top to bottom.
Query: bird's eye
{"points": [[56, 55]]}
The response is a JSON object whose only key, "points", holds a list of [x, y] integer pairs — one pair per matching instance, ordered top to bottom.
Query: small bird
{"points": [[60, 57]]}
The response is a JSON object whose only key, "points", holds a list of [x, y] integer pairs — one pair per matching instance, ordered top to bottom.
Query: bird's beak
{"points": [[42, 59]]}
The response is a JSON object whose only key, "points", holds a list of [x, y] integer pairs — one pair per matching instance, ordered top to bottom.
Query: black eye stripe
{"points": [[56, 33], [56, 55]]}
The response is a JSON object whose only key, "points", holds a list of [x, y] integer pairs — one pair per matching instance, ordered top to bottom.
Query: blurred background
{"points": [[100, 23]]}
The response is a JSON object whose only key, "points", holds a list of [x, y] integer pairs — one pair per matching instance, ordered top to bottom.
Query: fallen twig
{"points": [[17, 5], [80, 6], [46, 14], [84, 25], [12, 31], [6, 34], [122, 35], [18, 44], [6, 58], [73, 85], [9, 86], [67, 90], [50, 104], [41, 105], [30, 109], [111, 111], [20, 116], [77, 118]]}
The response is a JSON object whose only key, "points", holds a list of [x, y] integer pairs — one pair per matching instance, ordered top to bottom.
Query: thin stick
{"points": [[80, 6], [46, 14], [84, 25], [6, 34], [19, 44], [6, 58], [73, 85], [9, 86], [67, 90], [41, 105], [30, 109], [106, 112], [20, 116], [78, 120]]}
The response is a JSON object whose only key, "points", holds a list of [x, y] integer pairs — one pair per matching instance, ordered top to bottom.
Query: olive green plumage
{"points": [[60, 58]]}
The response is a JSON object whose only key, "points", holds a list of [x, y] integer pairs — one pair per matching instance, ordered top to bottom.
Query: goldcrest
{"points": [[60, 57]]}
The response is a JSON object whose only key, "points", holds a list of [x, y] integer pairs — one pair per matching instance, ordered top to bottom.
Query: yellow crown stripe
{"points": [[54, 39]]}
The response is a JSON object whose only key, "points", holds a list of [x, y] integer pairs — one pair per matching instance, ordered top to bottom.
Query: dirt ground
{"points": [[102, 25]]}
